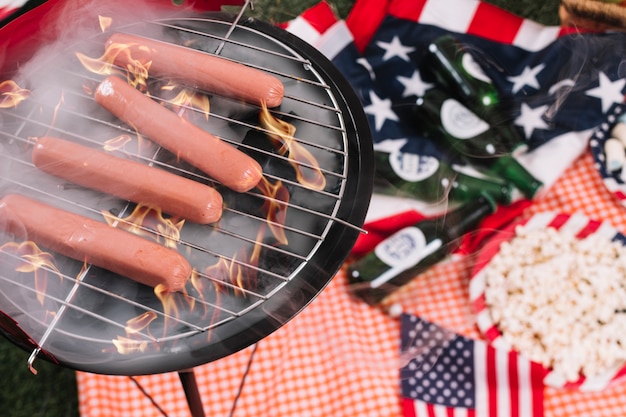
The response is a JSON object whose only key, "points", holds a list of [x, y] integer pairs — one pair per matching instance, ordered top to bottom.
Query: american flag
{"points": [[560, 85], [446, 374]]}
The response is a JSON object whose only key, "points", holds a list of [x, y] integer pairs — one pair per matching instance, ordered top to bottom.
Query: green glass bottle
{"points": [[459, 73], [473, 138], [431, 180], [412, 250]]}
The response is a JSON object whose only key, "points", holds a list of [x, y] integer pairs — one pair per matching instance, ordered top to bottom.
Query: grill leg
{"points": [[190, 385]]}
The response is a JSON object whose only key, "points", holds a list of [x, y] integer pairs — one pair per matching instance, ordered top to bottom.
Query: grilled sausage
{"points": [[199, 69], [216, 158], [128, 179], [94, 242]]}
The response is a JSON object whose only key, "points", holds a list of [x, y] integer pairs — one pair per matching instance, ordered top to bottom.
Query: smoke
{"points": [[73, 22]]}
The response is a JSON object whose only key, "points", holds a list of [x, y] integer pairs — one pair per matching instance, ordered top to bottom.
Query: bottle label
{"points": [[471, 66], [460, 122], [412, 167], [402, 249]]}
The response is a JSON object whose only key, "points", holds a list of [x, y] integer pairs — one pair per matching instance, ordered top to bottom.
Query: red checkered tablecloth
{"points": [[340, 357]]}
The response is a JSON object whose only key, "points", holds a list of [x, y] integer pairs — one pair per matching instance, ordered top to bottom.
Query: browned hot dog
{"points": [[208, 72], [216, 158], [128, 179], [94, 242]]}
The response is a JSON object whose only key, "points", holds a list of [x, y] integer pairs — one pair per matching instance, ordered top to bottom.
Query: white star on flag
{"points": [[395, 48], [365, 64], [528, 77], [414, 85], [609, 92], [381, 110], [531, 119]]}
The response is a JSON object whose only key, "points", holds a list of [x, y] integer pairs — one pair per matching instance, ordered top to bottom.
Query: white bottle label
{"points": [[473, 69], [459, 121], [412, 167], [402, 248], [401, 251]]}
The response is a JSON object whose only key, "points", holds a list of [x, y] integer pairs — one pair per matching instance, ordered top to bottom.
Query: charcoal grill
{"points": [[79, 318]]}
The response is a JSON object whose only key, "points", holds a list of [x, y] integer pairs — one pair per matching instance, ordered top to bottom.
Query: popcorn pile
{"points": [[560, 300]]}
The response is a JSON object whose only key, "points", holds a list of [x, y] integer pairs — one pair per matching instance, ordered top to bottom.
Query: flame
{"points": [[105, 23], [105, 64], [12, 94], [188, 98], [55, 114], [282, 133], [117, 143], [275, 207], [144, 220], [255, 256], [36, 261], [227, 270], [203, 287], [169, 301], [140, 323], [125, 345]]}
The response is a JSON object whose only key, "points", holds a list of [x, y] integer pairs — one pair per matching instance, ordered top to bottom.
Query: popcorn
{"points": [[560, 300]]}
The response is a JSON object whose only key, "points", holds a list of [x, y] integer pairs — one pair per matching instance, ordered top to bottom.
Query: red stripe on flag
{"points": [[410, 10], [320, 16], [364, 19], [492, 22], [590, 227], [492, 333], [492, 381], [514, 384], [408, 407]]}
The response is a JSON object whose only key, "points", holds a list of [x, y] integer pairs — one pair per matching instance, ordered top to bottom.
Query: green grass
{"points": [[52, 393]]}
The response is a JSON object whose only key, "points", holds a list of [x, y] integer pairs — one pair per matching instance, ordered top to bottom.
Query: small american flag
{"points": [[446, 374]]}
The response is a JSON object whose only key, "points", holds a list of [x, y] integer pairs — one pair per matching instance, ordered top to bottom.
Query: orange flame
{"points": [[105, 23], [105, 64], [12, 94], [186, 98], [55, 114], [283, 134], [117, 143], [276, 207], [145, 219], [36, 261], [229, 271], [169, 302], [140, 323], [126, 345]]}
